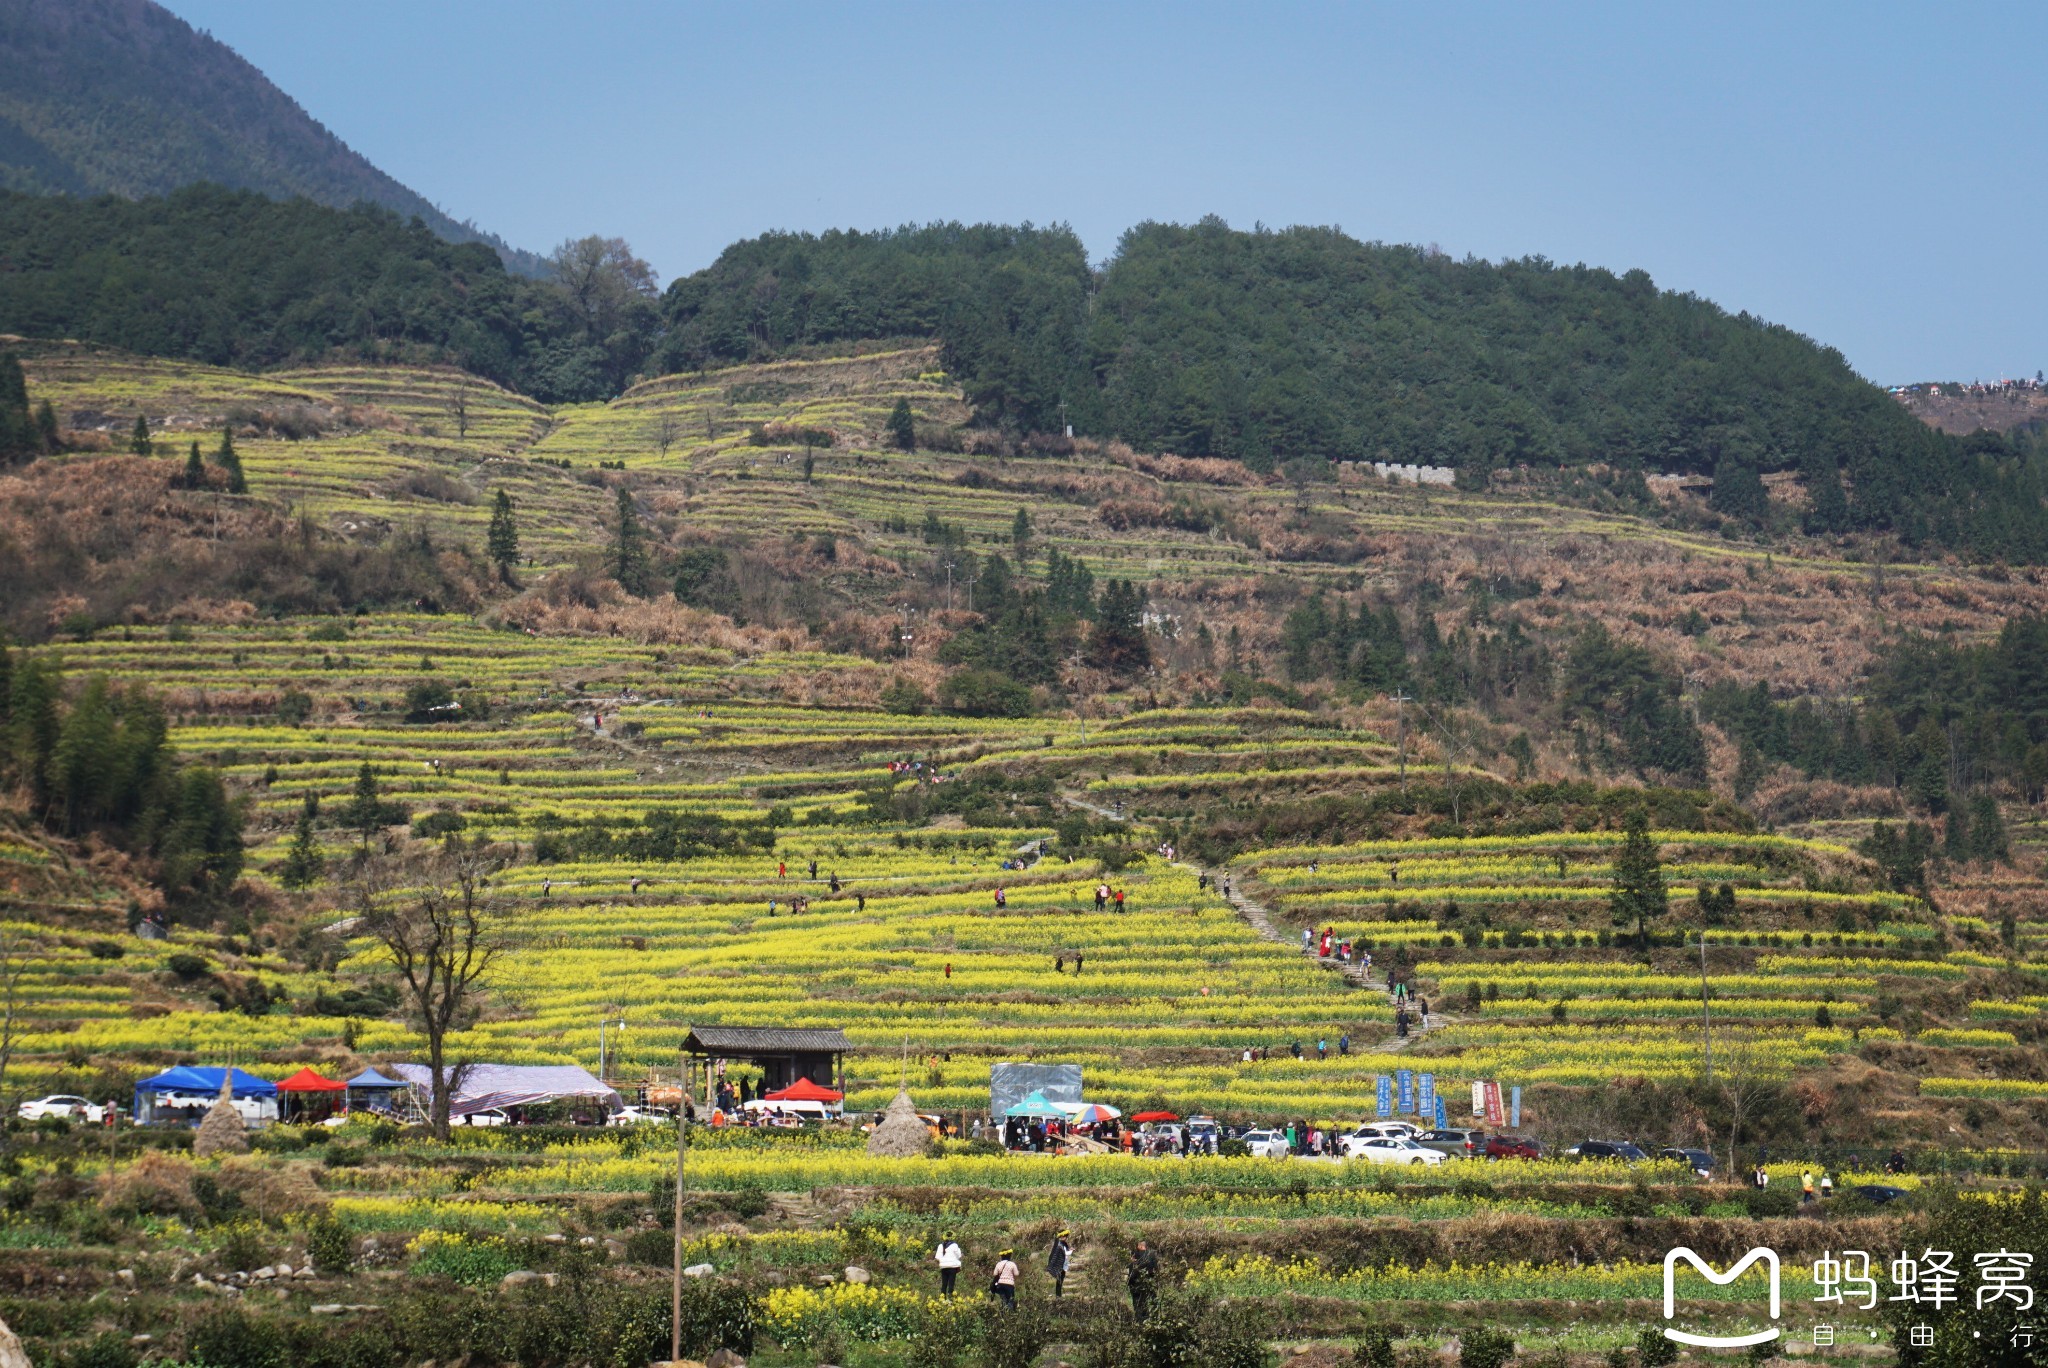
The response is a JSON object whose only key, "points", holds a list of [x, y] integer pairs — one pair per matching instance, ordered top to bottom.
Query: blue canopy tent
{"points": [[195, 1088], [372, 1089]]}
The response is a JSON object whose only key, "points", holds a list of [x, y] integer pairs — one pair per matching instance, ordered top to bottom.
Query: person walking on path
{"points": [[1119, 897], [1344, 1043], [1827, 1185], [1806, 1186], [949, 1258], [1056, 1260], [1143, 1280], [1004, 1281]]}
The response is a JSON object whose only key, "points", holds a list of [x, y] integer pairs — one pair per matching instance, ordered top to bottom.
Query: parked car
{"points": [[63, 1105], [489, 1116], [641, 1116], [1391, 1130], [1454, 1142], [1270, 1144], [1512, 1147], [1386, 1149], [1620, 1150], [1698, 1160], [1880, 1193]]}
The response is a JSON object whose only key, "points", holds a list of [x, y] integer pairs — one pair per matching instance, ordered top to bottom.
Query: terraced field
{"points": [[1508, 936]]}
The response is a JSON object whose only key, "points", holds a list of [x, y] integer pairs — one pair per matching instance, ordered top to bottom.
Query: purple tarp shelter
{"points": [[482, 1086]]}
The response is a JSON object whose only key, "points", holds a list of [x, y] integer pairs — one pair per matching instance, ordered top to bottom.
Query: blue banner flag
{"points": [[1406, 1078], [1386, 1095], [1428, 1095], [1515, 1109], [1442, 1120]]}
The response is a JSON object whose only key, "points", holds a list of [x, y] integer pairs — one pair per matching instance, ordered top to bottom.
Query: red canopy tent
{"points": [[306, 1081], [306, 1085], [803, 1090], [1141, 1116]]}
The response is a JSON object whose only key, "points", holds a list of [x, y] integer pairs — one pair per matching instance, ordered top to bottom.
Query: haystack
{"points": [[222, 1131], [903, 1133]]}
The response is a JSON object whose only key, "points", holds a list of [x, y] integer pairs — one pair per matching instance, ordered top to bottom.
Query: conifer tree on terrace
{"points": [[227, 459], [502, 542], [1638, 896]]}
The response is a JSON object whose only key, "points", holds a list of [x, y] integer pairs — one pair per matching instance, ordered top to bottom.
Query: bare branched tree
{"points": [[458, 406], [667, 428], [444, 928], [14, 953], [1741, 1065]]}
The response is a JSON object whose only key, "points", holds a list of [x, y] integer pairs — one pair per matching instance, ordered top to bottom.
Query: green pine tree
{"points": [[903, 426], [46, 427], [138, 440], [227, 459], [195, 470], [1020, 534], [502, 542], [628, 555], [1118, 641], [365, 811], [1956, 844], [303, 863], [1638, 896]]}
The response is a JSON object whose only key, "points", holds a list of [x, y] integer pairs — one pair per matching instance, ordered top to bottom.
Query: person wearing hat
{"points": [[949, 1258], [1056, 1260], [1004, 1283]]}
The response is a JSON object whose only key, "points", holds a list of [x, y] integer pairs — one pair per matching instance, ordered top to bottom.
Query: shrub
{"points": [[984, 693], [904, 697], [155, 1184], [332, 1248], [655, 1248], [229, 1339], [1375, 1348], [1485, 1348], [109, 1350], [1653, 1350]]}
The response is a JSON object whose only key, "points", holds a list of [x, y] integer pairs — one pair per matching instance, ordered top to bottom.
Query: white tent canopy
{"points": [[482, 1086]]}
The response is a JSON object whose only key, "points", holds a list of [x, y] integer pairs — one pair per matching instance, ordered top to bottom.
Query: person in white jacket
{"points": [[949, 1259]]}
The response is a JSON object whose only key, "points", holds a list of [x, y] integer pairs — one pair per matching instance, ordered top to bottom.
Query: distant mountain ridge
{"points": [[123, 97]]}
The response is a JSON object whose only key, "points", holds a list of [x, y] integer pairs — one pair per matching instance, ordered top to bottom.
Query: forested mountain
{"points": [[123, 97], [233, 278], [1011, 303], [1269, 346]]}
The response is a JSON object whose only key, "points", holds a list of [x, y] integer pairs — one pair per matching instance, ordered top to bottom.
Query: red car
{"points": [[1512, 1147]]}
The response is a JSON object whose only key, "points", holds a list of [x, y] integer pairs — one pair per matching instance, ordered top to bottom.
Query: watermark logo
{"points": [[1767, 1257]]}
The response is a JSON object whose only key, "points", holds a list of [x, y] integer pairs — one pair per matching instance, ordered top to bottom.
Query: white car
{"points": [[63, 1105], [489, 1116], [641, 1116], [1397, 1130], [1268, 1144], [1387, 1149]]}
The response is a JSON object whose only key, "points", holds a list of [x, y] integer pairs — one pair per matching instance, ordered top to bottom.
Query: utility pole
{"points": [[949, 586], [970, 592], [906, 635], [1075, 661], [1401, 702], [1706, 1020], [604, 1023], [675, 1306]]}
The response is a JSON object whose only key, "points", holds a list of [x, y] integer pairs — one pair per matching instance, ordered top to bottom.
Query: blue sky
{"points": [[1870, 174]]}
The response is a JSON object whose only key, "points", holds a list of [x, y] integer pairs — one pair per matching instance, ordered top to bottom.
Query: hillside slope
{"points": [[124, 97]]}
